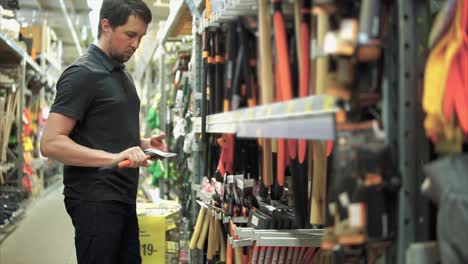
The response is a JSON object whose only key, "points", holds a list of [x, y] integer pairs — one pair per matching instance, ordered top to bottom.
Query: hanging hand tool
{"points": [[442, 22], [231, 51], [283, 62], [304, 64], [248, 67], [219, 68], [211, 71], [238, 72], [266, 81], [435, 81], [204, 102], [455, 102], [281, 143], [150, 153], [227, 155], [317, 210], [198, 227], [204, 231], [211, 238], [222, 250]]}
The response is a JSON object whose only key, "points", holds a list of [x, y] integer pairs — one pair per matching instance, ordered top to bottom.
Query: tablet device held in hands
{"points": [[156, 153]]}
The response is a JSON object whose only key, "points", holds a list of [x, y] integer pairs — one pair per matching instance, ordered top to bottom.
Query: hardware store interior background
{"points": [[305, 131]]}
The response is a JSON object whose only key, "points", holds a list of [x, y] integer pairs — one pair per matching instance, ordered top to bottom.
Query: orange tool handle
{"points": [[126, 163]]}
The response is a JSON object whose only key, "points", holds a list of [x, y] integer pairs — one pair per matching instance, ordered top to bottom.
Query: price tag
{"points": [[329, 103], [308, 106], [289, 108], [269, 111], [251, 114], [237, 116], [152, 239]]}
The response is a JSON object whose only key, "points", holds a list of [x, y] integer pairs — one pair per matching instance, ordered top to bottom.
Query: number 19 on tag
{"points": [[148, 249]]}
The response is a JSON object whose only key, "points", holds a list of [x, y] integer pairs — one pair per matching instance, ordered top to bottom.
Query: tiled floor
{"points": [[43, 236]]}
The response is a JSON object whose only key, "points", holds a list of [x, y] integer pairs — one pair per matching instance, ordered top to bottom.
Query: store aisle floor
{"points": [[44, 236]]}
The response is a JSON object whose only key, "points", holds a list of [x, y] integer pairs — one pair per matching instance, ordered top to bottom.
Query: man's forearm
{"points": [[66, 151]]}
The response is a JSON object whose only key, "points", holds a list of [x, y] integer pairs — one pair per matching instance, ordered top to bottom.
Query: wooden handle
{"points": [[297, 26], [264, 28], [322, 62], [266, 81], [317, 211], [198, 227], [217, 229], [204, 232], [211, 238], [222, 248], [238, 253]]}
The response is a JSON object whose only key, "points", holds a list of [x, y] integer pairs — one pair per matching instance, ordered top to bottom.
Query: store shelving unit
{"points": [[12, 55], [400, 107]]}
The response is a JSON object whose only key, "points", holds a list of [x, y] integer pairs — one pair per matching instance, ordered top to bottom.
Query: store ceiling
{"points": [[35, 12]]}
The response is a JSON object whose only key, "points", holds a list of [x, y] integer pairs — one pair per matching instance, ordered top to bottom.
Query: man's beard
{"points": [[119, 58]]}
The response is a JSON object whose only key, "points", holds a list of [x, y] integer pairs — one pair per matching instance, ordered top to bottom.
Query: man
{"points": [[94, 123]]}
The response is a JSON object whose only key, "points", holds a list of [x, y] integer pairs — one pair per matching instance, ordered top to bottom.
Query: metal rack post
{"points": [[196, 75], [163, 112], [19, 122], [407, 124]]}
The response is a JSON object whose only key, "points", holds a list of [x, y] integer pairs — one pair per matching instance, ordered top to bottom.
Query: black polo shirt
{"points": [[102, 98]]}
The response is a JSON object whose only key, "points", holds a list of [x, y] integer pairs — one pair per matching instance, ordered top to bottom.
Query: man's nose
{"points": [[135, 43]]}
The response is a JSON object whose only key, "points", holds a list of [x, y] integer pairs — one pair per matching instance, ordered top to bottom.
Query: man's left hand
{"points": [[157, 141]]}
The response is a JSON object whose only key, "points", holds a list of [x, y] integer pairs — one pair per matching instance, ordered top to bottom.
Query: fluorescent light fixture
{"points": [[95, 6]]}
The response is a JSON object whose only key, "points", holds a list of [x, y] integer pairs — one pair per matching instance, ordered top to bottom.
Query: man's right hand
{"points": [[135, 155]]}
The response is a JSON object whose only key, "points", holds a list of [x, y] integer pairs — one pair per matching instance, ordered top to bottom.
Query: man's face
{"points": [[125, 39]]}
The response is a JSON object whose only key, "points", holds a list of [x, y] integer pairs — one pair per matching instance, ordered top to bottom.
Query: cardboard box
{"points": [[35, 33]]}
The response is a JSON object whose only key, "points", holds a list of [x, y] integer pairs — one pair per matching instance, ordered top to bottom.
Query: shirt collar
{"points": [[104, 59]]}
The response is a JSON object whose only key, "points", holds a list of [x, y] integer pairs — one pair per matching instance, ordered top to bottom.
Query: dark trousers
{"points": [[106, 232]]}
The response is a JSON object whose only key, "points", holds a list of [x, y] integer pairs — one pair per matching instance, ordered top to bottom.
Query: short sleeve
{"points": [[74, 93]]}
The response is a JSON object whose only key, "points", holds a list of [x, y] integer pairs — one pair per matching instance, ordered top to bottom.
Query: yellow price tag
{"points": [[329, 103], [308, 106], [289, 108], [269, 111], [251, 114], [237, 116], [152, 239]]}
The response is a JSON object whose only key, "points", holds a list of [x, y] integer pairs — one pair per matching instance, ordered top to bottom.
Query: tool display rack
{"points": [[12, 56], [402, 117]]}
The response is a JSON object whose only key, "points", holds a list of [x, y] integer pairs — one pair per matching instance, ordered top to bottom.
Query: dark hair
{"points": [[118, 11]]}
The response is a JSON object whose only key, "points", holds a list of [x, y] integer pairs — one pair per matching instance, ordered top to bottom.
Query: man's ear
{"points": [[105, 26]]}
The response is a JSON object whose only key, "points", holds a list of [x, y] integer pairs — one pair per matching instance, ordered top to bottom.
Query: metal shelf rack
{"points": [[179, 16], [11, 52], [311, 117], [277, 238]]}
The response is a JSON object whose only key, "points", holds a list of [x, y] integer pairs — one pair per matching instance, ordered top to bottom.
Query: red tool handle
{"points": [[305, 68], [126, 163]]}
